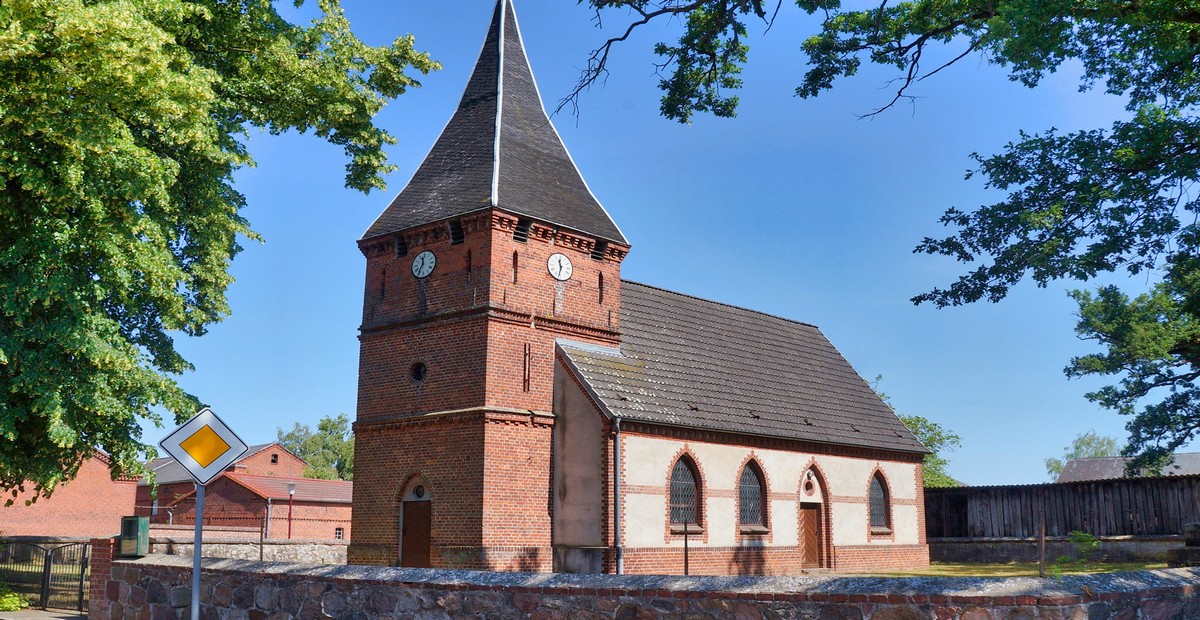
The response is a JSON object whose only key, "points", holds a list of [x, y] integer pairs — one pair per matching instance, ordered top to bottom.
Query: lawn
{"points": [[1022, 569]]}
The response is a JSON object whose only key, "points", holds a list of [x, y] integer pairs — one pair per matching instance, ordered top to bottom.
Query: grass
{"points": [[1022, 569]]}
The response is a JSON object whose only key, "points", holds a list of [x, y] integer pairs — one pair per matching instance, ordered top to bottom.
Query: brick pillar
{"points": [[100, 571]]}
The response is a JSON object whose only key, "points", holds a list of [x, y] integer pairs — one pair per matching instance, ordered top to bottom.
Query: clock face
{"points": [[423, 264], [560, 267]]}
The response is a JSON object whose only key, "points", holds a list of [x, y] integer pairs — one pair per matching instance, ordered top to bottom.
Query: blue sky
{"points": [[796, 208]]}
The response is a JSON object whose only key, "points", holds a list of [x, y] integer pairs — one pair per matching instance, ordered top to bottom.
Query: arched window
{"points": [[685, 493], [752, 507], [880, 512]]}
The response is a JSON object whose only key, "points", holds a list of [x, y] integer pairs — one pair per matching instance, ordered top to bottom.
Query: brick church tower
{"points": [[495, 249]]}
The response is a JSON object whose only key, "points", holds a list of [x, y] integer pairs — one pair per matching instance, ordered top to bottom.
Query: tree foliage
{"points": [[121, 125], [1078, 204], [938, 439], [1087, 445], [329, 451]]}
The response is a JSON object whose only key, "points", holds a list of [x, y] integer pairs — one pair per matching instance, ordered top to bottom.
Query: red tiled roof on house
{"points": [[307, 489]]}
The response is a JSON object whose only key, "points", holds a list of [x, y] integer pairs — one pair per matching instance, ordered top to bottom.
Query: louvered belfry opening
{"points": [[684, 495], [750, 496]]}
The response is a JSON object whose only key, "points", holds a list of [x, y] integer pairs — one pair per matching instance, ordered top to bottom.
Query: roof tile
{"points": [[686, 361]]}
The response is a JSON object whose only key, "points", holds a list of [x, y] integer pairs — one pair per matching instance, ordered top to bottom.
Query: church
{"points": [[523, 408]]}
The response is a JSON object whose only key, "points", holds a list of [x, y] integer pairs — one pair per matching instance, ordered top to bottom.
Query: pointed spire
{"points": [[499, 150]]}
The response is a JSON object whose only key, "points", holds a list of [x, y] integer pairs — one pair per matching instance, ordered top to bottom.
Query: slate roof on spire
{"points": [[499, 150]]}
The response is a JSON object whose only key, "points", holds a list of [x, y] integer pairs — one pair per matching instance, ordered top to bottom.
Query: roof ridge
{"points": [[502, 10], [722, 303]]}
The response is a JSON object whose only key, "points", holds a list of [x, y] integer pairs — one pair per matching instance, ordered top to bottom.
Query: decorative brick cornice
{"points": [[433, 232], [560, 237], [502, 315], [483, 414]]}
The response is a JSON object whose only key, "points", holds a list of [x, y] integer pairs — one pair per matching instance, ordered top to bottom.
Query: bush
{"points": [[1085, 543], [11, 601]]}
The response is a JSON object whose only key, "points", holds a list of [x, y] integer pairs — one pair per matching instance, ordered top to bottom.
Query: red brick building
{"points": [[522, 408], [174, 482], [252, 493], [89, 506], [319, 509]]}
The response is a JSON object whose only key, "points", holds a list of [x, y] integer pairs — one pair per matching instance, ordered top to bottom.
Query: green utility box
{"points": [[134, 541]]}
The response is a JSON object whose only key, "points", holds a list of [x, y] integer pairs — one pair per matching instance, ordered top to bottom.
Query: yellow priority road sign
{"points": [[204, 445]]}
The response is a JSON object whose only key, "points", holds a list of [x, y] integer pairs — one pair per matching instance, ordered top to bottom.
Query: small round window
{"points": [[419, 371]]}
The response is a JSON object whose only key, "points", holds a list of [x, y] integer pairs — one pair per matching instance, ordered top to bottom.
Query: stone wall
{"points": [[1111, 549], [309, 552], [158, 587]]}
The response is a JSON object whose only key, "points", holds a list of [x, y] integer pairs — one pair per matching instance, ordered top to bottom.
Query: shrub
{"points": [[1085, 543], [11, 601]]}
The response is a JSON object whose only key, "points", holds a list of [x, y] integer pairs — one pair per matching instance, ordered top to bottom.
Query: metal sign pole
{"points": [[196, 542]]}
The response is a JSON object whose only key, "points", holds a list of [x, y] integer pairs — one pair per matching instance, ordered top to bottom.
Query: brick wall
{"points": [[483, 325], [446, 451], [288, 465], [168, 493], [227, 503], [90, 505], [99, 574], [159, 587]]}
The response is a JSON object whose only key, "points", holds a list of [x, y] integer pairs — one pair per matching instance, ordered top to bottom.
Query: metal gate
{"points": [[48, 577]]}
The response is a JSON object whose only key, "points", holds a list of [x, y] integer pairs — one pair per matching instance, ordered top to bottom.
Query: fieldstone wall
{"points": [[307, 552], [158, 588]]}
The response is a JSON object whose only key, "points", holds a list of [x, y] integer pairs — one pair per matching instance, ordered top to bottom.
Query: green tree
{"points": [[121, 125], [1078, 204], [932, 435], [1088, 445], [329, 451]]}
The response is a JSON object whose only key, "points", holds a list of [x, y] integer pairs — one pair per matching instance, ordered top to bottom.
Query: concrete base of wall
{"points": [[993, 550], [579, 560], [159, 587]]}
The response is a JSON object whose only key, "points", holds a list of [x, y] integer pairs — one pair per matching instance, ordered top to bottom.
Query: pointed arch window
{"points": [[685, 492], [880, 504], [752, 506]]}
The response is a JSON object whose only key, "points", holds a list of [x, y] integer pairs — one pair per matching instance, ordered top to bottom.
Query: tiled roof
{"points": [[526, 170], [690, 362], [1105, 468], [167, 470], [307, 489]]}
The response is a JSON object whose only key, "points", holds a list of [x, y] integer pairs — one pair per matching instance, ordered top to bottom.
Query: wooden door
{"points": [[415, 535], [810, 535]]}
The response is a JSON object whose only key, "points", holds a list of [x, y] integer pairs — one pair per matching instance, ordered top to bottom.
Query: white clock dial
{"points": [[423, 264], [560, 267]]}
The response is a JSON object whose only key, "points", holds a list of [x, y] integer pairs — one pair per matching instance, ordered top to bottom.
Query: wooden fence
{"points": [[1120, 507]]}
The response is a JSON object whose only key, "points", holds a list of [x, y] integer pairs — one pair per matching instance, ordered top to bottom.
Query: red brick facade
{"points": [[476, 425], [273, 460], [229, 503], [91, 505]]}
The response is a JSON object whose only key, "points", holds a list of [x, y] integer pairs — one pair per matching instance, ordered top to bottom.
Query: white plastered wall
{"points": [[647, 464]]}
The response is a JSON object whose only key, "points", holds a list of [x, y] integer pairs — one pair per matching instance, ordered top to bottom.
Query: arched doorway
{"points": [[416, 518], [813, 550]]}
